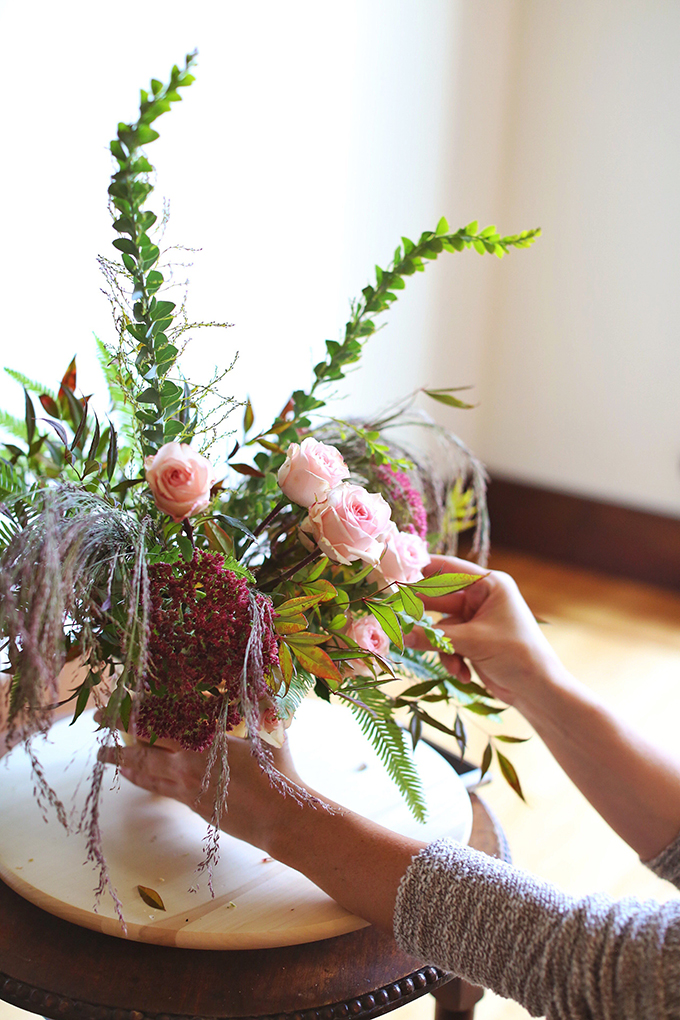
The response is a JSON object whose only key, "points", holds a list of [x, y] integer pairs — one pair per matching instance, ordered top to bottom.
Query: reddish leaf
{"points": [[69, 380], [50, 405], [246, 469]]}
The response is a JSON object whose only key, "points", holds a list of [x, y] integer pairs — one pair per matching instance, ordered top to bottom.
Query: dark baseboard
{"points": [[585, 532]]}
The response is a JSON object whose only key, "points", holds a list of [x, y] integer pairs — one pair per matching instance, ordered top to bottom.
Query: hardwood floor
{"points": [[622, 639]]}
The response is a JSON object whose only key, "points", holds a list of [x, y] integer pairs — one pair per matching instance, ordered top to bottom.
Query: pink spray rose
{"points": [[310, 470], [180, 480], [350, 524], [404, 558], [368, 634]]}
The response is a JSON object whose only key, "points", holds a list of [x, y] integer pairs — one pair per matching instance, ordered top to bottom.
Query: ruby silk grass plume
{"points": [[73, 581]]}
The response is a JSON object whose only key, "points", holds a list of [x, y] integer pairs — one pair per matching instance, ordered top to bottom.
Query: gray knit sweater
{"points": [[559, 956]]}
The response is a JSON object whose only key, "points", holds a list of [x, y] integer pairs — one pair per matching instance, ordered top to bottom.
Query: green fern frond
{"points": [[110, 373], [30, 384], [15, 426], [10, 481], [8, 529], [413, 664], [300, 685], [373, 713]]}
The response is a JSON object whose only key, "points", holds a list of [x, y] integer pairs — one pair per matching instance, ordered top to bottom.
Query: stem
{"points": [[270, 516], [187, 528], [310, 558]]}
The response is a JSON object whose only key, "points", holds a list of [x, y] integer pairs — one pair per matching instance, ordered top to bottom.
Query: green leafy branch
{"points": [[409, 258], [167, 404]]}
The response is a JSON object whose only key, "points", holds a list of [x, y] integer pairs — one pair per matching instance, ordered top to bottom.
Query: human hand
{"points": [[491, 626], [251, 810]]}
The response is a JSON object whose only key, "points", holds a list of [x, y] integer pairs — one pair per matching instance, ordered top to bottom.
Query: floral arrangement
{"points": [[206, 582]]}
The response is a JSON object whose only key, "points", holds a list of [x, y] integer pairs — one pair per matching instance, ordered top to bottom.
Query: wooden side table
{"points": [[60, 970]]}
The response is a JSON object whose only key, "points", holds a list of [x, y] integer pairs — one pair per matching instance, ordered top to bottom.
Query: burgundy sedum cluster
{"points": [[201, 620]]}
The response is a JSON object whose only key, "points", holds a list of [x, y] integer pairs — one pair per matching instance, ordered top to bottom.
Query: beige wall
{"points": [[581, 382]]}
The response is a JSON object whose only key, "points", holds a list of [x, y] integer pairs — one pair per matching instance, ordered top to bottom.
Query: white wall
{"points": [[315, 135], [311, 140]]}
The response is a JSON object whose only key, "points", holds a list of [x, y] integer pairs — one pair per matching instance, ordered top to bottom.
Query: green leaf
{"points": [[124, 244], [445, 397], [29, 417], [248, 417], [82, 424], [94, 442], [112, 452], [218, 539], [186, 548], [444, 584], [411, 603], [299, 604], [388, 620], [313, 659], [285, 663], [418, 690], [490, 711], [415, 729], [460, 734], [486, 759], [509, 774]]}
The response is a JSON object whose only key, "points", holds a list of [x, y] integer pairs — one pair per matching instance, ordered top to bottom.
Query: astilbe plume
{"points": [[405, 499], [201, 620]]}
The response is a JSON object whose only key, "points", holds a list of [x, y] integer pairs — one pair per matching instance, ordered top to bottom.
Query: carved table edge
{"points": [[388, 997]]}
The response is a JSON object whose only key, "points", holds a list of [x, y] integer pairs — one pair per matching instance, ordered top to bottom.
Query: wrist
{"points": [[547, 683]]}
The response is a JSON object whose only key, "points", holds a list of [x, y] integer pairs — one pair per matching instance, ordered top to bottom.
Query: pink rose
{"points": [[310, 470], [180, 480], [350, 524], [404, 558], [369, 635], [272, 727]]}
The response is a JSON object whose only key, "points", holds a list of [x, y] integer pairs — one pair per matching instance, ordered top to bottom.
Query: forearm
{"points": [[634, 785], [357, 862]]}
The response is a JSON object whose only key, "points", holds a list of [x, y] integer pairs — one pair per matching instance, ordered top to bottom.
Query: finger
{"points": [[452, 565], [457, 667]]}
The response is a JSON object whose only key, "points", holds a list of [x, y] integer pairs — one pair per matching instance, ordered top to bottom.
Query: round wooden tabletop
{"points": [[60, 970]]}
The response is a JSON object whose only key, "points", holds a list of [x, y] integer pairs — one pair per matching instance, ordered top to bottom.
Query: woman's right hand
{"points": [[491, 626]]}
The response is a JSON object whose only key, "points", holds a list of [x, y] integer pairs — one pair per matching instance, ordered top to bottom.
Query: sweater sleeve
{"points": [[667, 863], [559, 956]]}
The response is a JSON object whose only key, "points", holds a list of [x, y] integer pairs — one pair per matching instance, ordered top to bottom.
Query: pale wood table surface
{"points": [[157, 843], [61, 970]]}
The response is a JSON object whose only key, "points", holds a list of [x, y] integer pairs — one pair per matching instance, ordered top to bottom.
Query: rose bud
{"points": [[180, 480]]}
